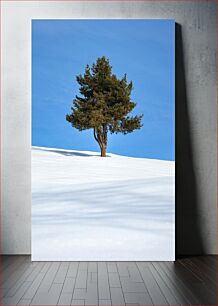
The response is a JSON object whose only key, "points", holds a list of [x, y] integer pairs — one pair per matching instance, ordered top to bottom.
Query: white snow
{"points": [[85, 207]]}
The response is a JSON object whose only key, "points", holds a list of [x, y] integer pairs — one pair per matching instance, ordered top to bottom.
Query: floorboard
{"points": [[188, 281]]}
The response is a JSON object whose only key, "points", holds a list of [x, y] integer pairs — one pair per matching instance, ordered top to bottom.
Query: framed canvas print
{"points": [[103, 139]]}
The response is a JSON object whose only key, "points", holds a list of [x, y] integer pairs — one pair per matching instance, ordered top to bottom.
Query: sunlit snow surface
{"points": [[85, 207]]}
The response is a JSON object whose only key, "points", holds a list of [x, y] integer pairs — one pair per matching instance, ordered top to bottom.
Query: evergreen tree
{"points": [[104, 105]]}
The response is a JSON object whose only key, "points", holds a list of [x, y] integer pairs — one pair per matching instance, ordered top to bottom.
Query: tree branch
{"points": [[105, 133], [96, 138]]}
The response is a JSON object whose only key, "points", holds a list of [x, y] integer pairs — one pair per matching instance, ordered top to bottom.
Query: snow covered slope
{"points": [[85, 207]]}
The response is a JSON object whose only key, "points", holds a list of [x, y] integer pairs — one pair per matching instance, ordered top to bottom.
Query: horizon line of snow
{"points": [[95, 152]]}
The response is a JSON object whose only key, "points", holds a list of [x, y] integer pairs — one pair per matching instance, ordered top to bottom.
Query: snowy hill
{"points": [[85, 207]]}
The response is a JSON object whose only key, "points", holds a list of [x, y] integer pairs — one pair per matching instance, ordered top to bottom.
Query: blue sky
{"points": [[143, 49]]}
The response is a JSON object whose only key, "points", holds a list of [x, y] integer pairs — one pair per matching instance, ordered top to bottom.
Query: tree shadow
{"points": [[68, 153], [188, 234]]}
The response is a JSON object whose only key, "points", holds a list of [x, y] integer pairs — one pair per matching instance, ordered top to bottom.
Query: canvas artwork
{"points": [[103, 140]]}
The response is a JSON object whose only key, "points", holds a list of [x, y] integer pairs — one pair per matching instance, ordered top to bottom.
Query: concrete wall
{"points": [[196, 143]]}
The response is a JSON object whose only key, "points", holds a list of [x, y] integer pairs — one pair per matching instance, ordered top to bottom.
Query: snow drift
{"points": [[85, 207]]}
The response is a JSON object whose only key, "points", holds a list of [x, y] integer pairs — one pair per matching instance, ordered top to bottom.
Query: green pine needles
{"points": [[104, 105]]}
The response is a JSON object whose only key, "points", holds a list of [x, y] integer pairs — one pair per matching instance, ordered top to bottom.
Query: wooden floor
{"points": [[188, 281]]}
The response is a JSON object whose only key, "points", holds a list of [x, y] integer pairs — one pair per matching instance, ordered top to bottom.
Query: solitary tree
{"points": [[105, 104]]}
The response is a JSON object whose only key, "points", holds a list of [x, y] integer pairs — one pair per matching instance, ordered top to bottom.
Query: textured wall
{"points": [[195, 111]]}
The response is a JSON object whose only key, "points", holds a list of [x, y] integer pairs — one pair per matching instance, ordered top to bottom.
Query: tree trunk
{"points": [[101, 138], [103, 151]]}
